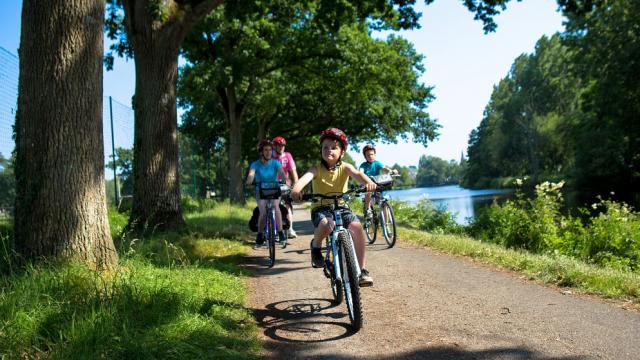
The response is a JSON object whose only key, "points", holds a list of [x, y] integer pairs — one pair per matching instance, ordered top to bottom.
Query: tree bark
{"points": [[156, 43], [235, 147], [156, 196], [61, 207]]}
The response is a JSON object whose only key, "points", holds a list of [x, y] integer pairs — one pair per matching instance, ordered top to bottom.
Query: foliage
{"points": [[295, 81], [570, 109], [124, 169], [434, 171], [406, 179], [7, 185], [425, 216], [610, 238], [172, 296]]}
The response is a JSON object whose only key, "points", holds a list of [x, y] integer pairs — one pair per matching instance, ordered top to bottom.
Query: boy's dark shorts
{"points": [[325, 212]]}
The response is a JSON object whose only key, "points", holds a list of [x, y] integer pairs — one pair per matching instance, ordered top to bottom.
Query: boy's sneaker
{"points": [[369, 214], [292, 234], [317, 261], [365, 278]]}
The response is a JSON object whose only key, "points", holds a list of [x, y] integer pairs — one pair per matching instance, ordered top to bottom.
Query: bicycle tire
{"points": [[388, 222], [370, 226], [271, 240], [350, 280], [336, 286]]}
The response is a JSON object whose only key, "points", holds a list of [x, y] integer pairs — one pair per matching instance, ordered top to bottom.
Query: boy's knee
{"points": [[355, 226]]}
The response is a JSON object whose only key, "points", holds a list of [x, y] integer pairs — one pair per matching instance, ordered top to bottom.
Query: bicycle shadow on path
{"points": [[303, 321]]}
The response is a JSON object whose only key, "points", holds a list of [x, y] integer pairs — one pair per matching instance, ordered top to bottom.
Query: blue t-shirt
{"points": [[372, 169], [266, 172]]}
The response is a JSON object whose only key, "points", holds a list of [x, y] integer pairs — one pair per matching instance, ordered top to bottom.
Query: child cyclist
{"points": [[289, 167], [372, 167], [266, 170], [331, 175]]}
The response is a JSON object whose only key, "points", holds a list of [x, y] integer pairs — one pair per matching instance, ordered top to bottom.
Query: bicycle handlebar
{"points": [[358, 190]]}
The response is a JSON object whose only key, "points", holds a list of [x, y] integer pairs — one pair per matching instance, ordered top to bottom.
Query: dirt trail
{"points": [[425, 305]]}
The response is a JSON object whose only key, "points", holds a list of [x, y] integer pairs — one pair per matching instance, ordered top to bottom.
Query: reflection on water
{"points": [[459, 201]]}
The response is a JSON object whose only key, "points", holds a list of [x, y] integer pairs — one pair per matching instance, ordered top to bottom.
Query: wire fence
{"points": [[8, 100], [118, 131]]}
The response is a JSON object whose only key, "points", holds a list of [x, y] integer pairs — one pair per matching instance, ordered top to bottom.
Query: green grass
{"points": [[552, 269], [173, 295]]}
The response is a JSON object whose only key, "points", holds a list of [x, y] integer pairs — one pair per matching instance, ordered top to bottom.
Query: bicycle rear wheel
{"points": [[388, 223], [370, 226], [271, 240], [350, 280]]}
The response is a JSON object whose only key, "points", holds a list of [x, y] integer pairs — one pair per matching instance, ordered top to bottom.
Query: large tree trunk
{"points": [[156, 41], [236, 183], [156, 196], [61, 207]]}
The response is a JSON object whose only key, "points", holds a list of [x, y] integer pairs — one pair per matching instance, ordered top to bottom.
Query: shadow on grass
{"points": [[76, 316]]}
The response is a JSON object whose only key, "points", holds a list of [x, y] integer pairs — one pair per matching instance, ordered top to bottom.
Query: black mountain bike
{"points": [[382, 216], [341, 262]]}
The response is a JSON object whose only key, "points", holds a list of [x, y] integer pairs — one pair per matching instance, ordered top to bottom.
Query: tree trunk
{"points": [[156, 41], [236, 182], [156, 199], [61, 207]]}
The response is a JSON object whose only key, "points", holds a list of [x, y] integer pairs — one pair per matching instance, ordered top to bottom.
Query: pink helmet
{"points": [[279, 140]]}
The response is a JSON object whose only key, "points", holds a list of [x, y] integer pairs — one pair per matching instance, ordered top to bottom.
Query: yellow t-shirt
{"points": [[327, 182]]}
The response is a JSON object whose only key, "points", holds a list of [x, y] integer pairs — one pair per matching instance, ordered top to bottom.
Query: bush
{"points": [[426, 216], [537, 224], [612, 237]]}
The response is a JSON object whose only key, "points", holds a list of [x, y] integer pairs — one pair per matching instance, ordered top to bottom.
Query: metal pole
{"points": [[113, 154]]}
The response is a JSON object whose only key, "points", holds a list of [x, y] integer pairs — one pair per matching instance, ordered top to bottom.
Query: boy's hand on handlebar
{"points": [[394, 171], [370, 186], [296, 196]]}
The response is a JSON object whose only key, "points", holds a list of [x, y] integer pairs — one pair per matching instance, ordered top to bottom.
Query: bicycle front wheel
{"points": [[388, 222], [271, 241], [350, 280], [336, 285]]}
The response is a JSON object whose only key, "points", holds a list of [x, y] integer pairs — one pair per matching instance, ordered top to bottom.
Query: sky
{"points": [[462, 64]]}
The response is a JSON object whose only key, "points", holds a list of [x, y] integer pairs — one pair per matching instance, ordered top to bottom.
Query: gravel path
{"points": [[426, 305]]}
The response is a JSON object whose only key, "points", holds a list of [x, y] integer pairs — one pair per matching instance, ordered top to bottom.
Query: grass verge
{"points": [[558, 270], [173, 296]]}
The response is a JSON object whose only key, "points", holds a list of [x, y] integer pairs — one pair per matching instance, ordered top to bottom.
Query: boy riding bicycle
{"points": [[289, 167], [372, 167], [266, 170], [330, 177]]}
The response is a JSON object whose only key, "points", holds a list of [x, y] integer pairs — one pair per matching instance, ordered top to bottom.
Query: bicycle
{"points": [[271, 191], [384, 215], [341, 262]]}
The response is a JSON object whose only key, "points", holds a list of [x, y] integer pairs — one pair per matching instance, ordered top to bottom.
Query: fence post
{"points": [[113, 154]]}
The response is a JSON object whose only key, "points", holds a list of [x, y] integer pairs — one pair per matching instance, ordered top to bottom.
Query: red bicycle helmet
{"points": [[336, 134], [279, 140], [262, 143], [367, 148]]}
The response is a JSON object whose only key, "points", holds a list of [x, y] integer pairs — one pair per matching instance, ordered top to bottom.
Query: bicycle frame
{"points": [[332, 246]]}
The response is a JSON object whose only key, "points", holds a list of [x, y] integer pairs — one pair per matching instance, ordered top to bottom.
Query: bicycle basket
{"points": [[384, 181], [269, 191]]}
